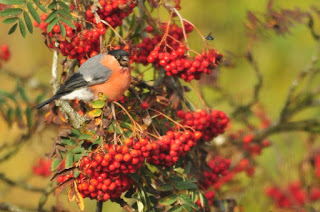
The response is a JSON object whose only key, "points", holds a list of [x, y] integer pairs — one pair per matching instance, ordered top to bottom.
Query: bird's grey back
{"points": [[93, 71]]}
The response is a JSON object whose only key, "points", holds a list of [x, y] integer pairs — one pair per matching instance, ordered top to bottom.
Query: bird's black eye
{"points": [[117, 57]]}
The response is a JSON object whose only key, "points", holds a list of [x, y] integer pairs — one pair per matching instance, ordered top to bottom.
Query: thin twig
{"points": [[54, 72], [64, 106], [285, 112], [22, 185], [5, 206], [99, 206]]}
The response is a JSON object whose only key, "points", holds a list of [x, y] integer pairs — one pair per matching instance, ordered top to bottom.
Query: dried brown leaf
{"points": [[62, 186]]}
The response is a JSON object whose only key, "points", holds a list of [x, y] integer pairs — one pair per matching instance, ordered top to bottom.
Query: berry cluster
{"points": [[111, 11], [172, 39], [80, 44], [167, 51], [4, 53], [178, 64], [209, 124], [173, 145], [252, 147], [243, 165], [218, 167], [42, 168], [105, 175], [293, 195]]}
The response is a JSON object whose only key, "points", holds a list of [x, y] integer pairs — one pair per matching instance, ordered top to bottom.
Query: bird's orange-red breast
{"points": [[118, 82]]}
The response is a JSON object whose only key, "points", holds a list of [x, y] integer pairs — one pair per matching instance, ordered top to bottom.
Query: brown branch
{"points": [[64, 106], [285, 112], [310, 125], [17, 144], [22, 185], [45, 195], [5, 206], [99, 206]]}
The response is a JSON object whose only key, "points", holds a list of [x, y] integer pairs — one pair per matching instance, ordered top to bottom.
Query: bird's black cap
{"points": [[119, 52]]}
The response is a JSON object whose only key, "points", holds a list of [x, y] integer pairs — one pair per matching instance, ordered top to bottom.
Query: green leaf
{"points": [[12, 2], [52, 5], [64, 6], [41, 7], [11, 11], [33, 12], [64, 13], [51, 16], [10, 20], [28, 21], [68, 22], [52, 24], [22, 28], [13, 29], [63, 30], [23, 93], [39, 98], [97, 104], [19, 113], [95, 113], [9, 115], [29, 116], [76, 132], [85, 137], [69, 141], [97, 141], [78, 149], [77, 157], [69, 160], [55, 164], [187, 168], [76, 173], [135, 177], [185, 185], [165, 187], [169, 199], [203, 200], [188, 201], [187, 207], [176, 208]]}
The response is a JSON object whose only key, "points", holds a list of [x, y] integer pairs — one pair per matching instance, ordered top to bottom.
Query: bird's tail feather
{"points": [[48, 101]]}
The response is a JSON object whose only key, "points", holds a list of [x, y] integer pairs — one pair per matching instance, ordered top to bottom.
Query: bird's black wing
{"points": [[74, 82]]}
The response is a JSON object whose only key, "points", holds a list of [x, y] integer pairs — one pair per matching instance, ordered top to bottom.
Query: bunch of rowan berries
{"points": [[111, 11], [170, 41], [79, 44], [168, 51], [176, 63], [210, 124], [172, 146], [254, 148], [218, 167], [42, 168], [105, 174], [292, 195]]}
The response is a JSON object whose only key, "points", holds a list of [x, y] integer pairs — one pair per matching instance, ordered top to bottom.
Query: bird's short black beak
{"points": [[124, 61]]}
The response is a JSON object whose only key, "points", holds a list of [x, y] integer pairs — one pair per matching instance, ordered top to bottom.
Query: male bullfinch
{"points": [[107, 73]]}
